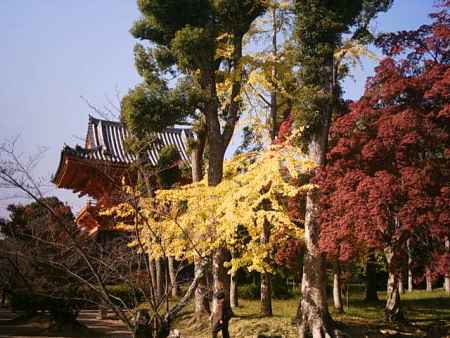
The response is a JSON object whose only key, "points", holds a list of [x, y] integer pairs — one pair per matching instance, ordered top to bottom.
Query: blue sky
{"points": [[54, 52]]}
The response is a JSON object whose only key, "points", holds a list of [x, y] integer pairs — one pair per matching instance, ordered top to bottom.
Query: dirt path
{"points": [[105, 328]]}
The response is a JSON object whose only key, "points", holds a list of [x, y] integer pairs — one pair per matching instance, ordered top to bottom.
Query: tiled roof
{"points": [[105, 142]]}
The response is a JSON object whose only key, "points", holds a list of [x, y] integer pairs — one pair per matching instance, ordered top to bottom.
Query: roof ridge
{"points": [[96, 120]]}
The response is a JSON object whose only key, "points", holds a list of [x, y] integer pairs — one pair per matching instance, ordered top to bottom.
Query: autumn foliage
{"points": [[387, 177]]}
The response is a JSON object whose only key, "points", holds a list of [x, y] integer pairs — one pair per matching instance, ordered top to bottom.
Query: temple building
{"points": [[100, 168]]}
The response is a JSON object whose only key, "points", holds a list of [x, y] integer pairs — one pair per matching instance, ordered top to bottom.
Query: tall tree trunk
{"points": [[273, 93], [218, 142], [410, 263], [447, 276], [173, 277], [266, 278], [371, 279], [428, 279], [337, 288], [234, 299], [201, 303], [392, 311], [315, 316]]}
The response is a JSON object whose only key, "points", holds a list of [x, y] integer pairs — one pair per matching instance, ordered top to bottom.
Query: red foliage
{"points": [[285, 130], [387, 176], [289, 255]]}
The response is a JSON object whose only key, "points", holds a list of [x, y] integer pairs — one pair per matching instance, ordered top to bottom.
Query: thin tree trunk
{"points": [[273, 93], [197, 154], [410, 263], [152, 266], [447, 276], [173, 277], [266, 278], [371, 279], [428, 279], [221, 280], [410, 281], [337, 287], [401, 289], [234, 301], [201, 304], [102, 311], [392, 311]]}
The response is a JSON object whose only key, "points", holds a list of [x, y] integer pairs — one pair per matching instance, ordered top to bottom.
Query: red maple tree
{"points": [[387, 177]]}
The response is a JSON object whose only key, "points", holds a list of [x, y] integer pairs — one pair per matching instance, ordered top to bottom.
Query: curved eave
{"points": [[70, 165]]}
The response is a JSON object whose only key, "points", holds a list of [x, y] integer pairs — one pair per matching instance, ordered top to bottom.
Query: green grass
{"points": [[423, 310]]}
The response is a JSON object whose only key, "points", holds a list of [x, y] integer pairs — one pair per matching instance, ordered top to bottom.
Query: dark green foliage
{"points": [[319, 30], [184, 39], [147, 106], [169, 173], [280, 290], [249, 291], [125, 295], [60, 309]]}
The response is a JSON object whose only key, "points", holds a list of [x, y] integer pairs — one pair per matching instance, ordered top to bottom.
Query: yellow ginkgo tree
{"points": [[194, 220]]}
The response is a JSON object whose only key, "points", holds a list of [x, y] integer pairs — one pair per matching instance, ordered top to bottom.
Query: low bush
{"points": [[249, 291], [253, 291], [59, 308]]}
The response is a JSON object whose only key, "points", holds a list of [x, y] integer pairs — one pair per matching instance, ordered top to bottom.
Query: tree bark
{"points": [[273, 93], [218, 142], [197, 154], [410, 263], [152, 267], [447, 276], [173, 277], [266, 278], [371, 278], [428, 279], [221, 280], [337, 287], [401, 289], [266, 294], [234, 301], [201, 304], [392, 311], [314, 315]]}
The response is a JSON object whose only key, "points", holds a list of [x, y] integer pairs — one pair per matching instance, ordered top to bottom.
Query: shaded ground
{"points": [[428, 315], [38, 327]]}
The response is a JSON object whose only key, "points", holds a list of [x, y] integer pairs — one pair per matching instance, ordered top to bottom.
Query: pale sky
{"points": [[54, 52]]}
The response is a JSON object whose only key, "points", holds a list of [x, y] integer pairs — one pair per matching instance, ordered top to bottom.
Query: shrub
{"points": [[280, 289], [249, 291], [126, 294], [60, 308]]}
